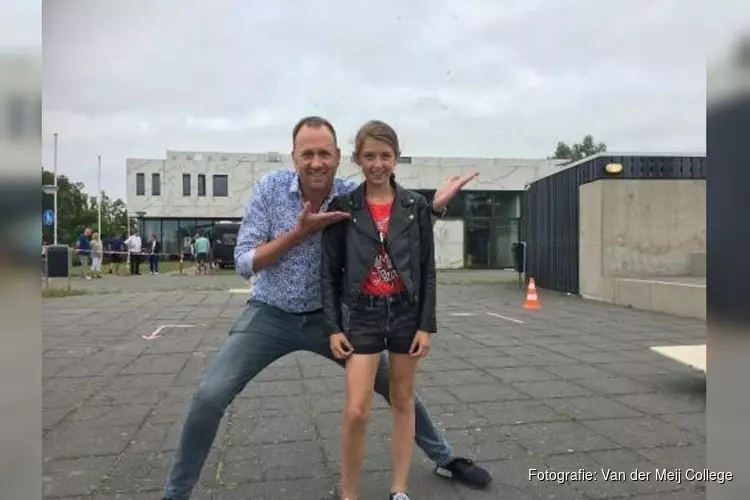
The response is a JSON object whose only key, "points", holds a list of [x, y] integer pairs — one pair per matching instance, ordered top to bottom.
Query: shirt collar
{"points": [[294, 184], [295, 190]]}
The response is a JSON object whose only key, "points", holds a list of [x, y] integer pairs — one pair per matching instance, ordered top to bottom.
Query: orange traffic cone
{"points": [[532, 301]]}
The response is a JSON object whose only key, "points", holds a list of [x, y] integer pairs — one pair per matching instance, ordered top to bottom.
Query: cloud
{"points": [[476, 78]]}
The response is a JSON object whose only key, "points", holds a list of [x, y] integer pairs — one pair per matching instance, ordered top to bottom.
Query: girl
{"points": [[97, 255], [153, 257], [380, 264]]}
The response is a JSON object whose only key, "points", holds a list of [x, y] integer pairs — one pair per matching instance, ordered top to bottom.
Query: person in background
{"points": [[83, 246], [116, 247], [135, 247], [154, 249], [202, 251], [187, 252], [97, 255], [44, 257], [211, 257]]}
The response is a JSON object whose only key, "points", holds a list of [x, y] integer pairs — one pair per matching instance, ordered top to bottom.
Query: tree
{"points": [[578, 151], [76, 210]]}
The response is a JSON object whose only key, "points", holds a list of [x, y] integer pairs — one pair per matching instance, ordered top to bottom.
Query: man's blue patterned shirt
{"points": [[293, 282]]}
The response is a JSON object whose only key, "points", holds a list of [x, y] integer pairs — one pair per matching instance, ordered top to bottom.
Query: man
{"points": [[279, 244], [83, 245], [116, 245], [135, 247], [202, 250]]}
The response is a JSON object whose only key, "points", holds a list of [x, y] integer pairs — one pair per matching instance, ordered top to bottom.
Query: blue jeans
{"points": [[153, 261], [259, 337]]}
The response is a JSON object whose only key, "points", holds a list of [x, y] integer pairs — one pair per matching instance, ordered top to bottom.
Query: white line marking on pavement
{"points": [[239, 290], [462, 314], [506, 318], [155, 334], [691, 355]]}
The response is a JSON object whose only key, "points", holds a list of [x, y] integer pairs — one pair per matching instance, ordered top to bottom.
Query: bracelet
{"points": [[437, 213]]}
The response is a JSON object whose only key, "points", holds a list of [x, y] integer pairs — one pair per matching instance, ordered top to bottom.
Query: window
{"points": [[140, 184], [185, 184], [155, 185], [201, 185], [221, 185], [478, 203], [506, 205], [149, 227], [229, 238], [170, 243]]}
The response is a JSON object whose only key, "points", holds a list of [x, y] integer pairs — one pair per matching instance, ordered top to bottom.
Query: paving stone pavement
{"points": [[189, 280], [146, 283], [572, 386]]}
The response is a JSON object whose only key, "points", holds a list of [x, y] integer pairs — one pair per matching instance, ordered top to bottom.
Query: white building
{"points": [[173, 197]]}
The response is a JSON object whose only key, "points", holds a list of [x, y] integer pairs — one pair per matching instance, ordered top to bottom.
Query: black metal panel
{"points": [[550, 210]]}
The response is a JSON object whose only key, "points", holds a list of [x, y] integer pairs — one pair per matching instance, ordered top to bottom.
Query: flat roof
{"points": [[615, 153]]}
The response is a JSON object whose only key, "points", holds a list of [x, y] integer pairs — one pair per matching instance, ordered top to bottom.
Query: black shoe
{"points": [[465, 471]]}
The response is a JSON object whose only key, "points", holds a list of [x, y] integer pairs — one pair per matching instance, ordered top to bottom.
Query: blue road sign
{"points": [[48, 217]]}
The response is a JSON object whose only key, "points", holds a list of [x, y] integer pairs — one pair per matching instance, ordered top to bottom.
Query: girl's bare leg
{"points": [[402, 373], [360, 380]]}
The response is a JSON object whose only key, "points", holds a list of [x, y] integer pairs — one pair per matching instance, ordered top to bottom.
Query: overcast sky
{"points": [[476, 78]]}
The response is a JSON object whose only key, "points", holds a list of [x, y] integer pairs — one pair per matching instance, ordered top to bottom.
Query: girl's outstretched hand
{"points": [[340, 346], [420, 346]]}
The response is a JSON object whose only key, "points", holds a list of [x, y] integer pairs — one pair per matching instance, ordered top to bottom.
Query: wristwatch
{"points": [[438, 213]]}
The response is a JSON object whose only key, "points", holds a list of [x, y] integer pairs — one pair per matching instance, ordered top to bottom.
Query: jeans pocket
{"points": [[243, 322], [239, 326]]}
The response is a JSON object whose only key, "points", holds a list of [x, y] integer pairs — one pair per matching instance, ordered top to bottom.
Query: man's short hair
{"points": [[313, 122]]}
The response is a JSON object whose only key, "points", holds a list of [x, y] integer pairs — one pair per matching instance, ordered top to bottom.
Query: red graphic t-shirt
{"points": [[382, 278]]}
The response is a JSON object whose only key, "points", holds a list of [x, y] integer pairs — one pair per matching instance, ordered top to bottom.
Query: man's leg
{"points": [[84, 265], [258, 338], [427, 436]]}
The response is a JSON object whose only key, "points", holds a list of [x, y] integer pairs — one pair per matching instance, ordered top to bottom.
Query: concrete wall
{"points": [[244, 169], [634, 233], [449, 244], [682, 296]]}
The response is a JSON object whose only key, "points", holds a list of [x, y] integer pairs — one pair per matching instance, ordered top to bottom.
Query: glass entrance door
{"points": [[504, 234], [487, 243], [477, 244]]}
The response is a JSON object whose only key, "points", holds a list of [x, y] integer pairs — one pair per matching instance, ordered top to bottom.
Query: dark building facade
{"points": [[551, 210]]}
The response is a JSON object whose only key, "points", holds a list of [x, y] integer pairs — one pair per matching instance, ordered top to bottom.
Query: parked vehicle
{"points": [[225, 239]]}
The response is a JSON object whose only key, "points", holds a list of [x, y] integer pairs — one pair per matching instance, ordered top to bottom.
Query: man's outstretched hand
{"points": [[448, 191], [310, 223]]}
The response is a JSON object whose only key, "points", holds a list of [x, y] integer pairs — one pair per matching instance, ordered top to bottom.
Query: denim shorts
{"points": [[379, 323]]}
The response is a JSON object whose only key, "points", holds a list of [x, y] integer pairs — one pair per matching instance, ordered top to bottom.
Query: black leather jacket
{"points": [[349, 249]]}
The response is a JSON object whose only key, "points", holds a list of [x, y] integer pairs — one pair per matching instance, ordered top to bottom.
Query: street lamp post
{"points": [[99, 204]]}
